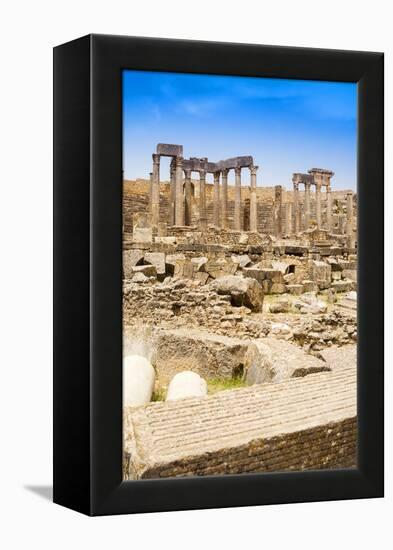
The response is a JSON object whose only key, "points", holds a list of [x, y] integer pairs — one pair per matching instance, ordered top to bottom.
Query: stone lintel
{"points": [[170, 150], [235, 162], [196, 164], [322, 171], [298, 177]]}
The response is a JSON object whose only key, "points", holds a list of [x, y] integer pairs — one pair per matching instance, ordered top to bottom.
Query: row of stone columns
{"points": [[318, 178], [322, 178], [220, 199], [180, 203], [318, 207], [180, 208], [348, 229]]}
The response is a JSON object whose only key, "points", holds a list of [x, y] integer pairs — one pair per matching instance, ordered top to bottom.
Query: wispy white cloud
{"points": [[200, 107]]}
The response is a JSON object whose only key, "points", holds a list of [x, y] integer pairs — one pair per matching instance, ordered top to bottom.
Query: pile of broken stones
{"points": [[226, 294]]}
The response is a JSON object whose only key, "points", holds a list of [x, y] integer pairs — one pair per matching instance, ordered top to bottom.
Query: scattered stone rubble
{"points": [[233, 289], [230, 306]]}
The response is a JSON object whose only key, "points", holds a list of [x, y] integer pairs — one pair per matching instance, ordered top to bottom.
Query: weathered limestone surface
{"points": [[130, 259], [157, 259], [242, 260], [220, 267], [147, 270], [320, 273], [140, 278], [343, 286], [243, 291], [309, 303], [280, 306], [207, 354], [340, 357], [277, 360], [305, 423]]}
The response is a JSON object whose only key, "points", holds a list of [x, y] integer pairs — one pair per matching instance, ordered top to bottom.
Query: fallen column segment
{"points": [[305, 423]]}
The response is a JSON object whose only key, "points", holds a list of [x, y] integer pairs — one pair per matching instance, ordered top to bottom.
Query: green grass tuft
{"points": [[215, 385], [158, 394]]}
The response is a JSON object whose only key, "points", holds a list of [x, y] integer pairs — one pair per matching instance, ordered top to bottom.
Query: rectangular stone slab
{"points": [[170, 149], [209, 355], [305, 423]]}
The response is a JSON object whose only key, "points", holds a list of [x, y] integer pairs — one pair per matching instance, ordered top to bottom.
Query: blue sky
{"points": [[286, 125]]}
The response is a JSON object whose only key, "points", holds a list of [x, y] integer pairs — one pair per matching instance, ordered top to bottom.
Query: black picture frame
{"points": [[88, 274]]}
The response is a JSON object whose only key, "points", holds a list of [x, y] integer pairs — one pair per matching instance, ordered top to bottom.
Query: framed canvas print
{"points": [[218, 275]]}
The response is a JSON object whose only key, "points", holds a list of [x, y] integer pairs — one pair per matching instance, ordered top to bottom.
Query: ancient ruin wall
{"points": [[136, 199]]}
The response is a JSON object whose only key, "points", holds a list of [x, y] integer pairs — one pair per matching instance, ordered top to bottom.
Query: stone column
{"points": [[155, 191], [150, 192], [172, 193], [188, 198], [224, 198], [216, 199], [238, 199], [202, 200], [253, 200], [318, 203], [307, 205], [179, 206], [296, 206], [278, 210], [329, 217], [288, 218], [341, 224], [349, 224]]}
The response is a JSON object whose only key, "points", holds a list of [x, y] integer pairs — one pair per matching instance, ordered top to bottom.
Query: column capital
{"points": [[156, 158], [179, 161], [238, 170], [253, 170], [225, 172], [187, 173], [202, 173], [217, 175], [296, 185], [307, 185]]}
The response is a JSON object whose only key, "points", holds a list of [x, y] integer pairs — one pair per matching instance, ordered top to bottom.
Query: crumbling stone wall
{"points": [[179, 304]]}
